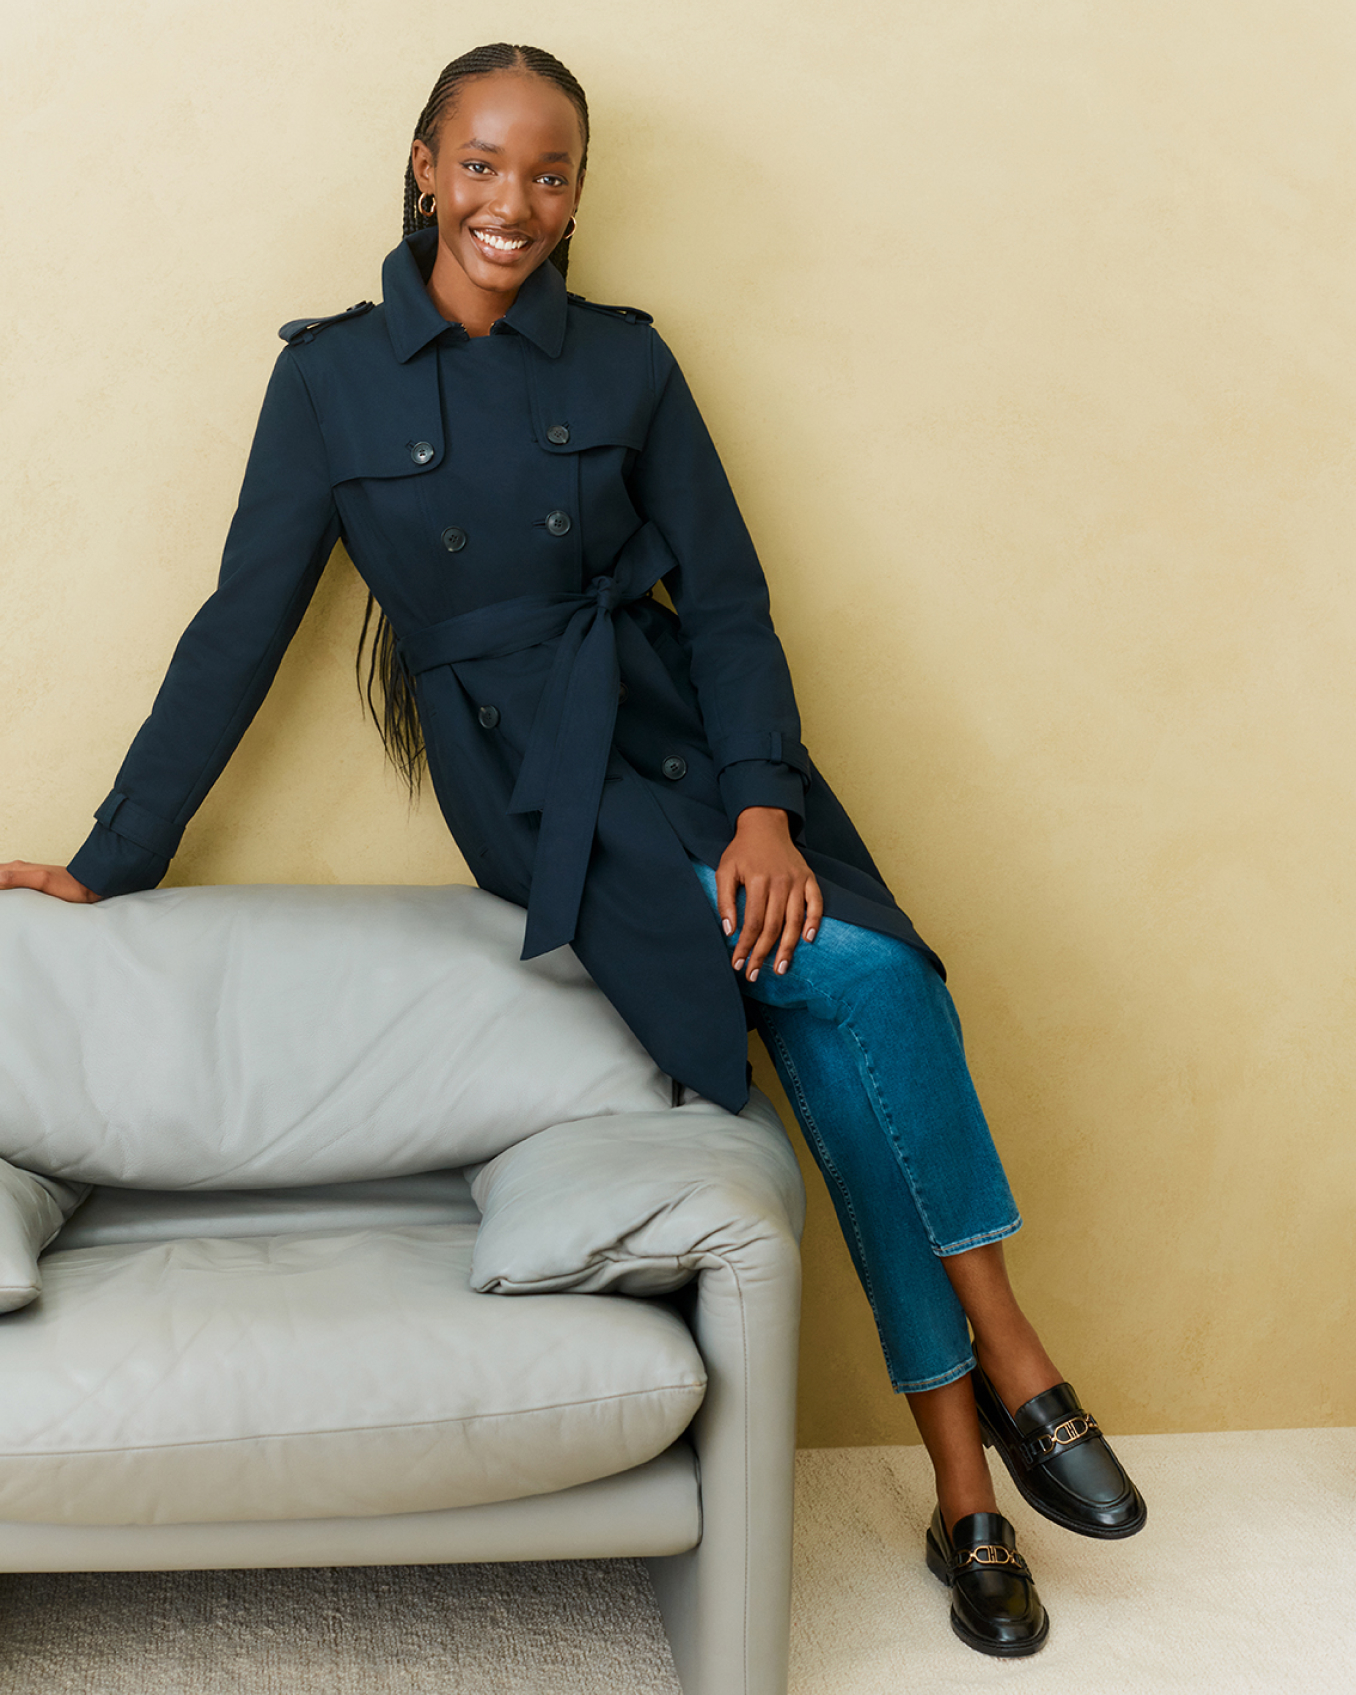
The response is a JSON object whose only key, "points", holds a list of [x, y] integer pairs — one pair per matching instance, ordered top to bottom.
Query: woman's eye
{"points": [[477, 166], [554, 182]]}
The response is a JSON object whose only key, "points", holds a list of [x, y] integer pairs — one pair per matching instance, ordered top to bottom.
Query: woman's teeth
{"points": [[502, 243]]}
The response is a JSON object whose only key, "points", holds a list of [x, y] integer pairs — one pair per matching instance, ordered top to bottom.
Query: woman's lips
{"points": [[497, 244]]}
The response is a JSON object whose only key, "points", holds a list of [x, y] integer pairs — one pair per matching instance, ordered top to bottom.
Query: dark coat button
{"points": [[558, 435], [422, 452], [558, 523], [454, 539], [488, 716], [674, 768]]}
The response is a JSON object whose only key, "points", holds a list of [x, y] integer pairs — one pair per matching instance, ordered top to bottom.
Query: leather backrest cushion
{"points": [[249, 1037]]}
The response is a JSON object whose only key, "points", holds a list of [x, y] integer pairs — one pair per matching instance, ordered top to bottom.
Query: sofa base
{"points": [[654, 1509]]}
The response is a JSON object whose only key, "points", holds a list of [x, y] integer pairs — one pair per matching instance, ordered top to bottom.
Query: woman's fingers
{"points": [[46, 879], [727, 890], [814, 907], [755, 910], [774, 920], [791, 927]]}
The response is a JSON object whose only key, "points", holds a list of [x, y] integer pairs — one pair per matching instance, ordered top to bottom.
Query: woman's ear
{"points": [[421, 158], [579, 191]]}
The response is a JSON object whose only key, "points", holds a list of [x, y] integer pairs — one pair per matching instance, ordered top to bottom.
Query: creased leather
{"points": [[250, 1037], [635, 1203], [32, 1210], [319, 1376]]}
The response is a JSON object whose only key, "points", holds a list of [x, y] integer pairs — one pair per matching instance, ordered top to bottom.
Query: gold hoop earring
{"points": [[430, 209], [570, 228]]}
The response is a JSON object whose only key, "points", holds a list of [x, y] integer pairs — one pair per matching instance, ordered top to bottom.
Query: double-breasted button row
{"points": [[421, 452], [454, 537], [488, 716]]}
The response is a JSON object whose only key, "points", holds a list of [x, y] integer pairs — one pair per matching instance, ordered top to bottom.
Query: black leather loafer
{"points": [[1060, 1461], [994, 1604]]}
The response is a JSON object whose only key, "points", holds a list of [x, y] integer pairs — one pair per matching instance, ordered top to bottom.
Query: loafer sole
{"points": [[1101, 1532], [981, 1644]]}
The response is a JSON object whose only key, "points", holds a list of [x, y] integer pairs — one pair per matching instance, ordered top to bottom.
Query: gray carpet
{"points": [[1241, 1585], [582, 1627]]}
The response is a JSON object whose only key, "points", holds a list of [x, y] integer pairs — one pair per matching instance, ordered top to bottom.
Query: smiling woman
{"points": [[501, 178], [514, 470]]}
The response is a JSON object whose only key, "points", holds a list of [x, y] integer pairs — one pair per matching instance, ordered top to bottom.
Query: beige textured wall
{"points": [[1026, 332]]}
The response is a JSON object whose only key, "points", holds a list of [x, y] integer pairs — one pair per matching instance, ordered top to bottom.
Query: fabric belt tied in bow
{"points": [[567, 751]]}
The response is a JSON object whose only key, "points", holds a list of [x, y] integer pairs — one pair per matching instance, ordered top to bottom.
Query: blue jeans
{"points": [[867, 1044]]}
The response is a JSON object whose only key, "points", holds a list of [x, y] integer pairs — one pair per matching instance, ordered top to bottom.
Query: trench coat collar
{"points": [[414, 321]]}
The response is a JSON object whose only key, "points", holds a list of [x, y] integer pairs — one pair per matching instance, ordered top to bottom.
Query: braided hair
{"points": [[479, 62], [397, 714]]}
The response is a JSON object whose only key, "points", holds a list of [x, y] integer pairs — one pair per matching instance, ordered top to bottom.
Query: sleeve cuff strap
{"points": [[770, 745], [125, 818]]}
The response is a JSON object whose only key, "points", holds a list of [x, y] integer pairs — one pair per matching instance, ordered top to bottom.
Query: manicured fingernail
{"points": [[726, 925], [809, 935], [738, 964], [781, 969], [753, 975]]}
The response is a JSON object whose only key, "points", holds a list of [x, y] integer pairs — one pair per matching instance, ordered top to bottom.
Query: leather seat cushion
{"points": [[257, 1037], [320, 1376]]}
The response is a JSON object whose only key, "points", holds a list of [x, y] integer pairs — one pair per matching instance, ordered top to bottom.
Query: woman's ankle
{"points": [[1017, 1366], [959, 1500]]}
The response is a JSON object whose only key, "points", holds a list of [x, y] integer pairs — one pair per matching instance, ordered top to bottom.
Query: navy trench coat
{"points": [[512, 500]]}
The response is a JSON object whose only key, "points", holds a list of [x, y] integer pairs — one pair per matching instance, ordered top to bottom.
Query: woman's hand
{"points": [[46, 879], [782, 902]]}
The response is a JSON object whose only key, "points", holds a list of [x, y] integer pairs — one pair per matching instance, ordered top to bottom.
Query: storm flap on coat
{"points": [[512, 501]]}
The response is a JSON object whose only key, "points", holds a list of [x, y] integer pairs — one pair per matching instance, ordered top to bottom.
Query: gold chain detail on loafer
{"points": [[1075, 1429], [995, 1554]]}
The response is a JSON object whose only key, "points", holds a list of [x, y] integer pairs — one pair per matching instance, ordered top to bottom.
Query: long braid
{"points": [[397, 715]]}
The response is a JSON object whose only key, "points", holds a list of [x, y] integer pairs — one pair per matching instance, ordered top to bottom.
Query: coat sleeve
{"points": [[284, 529], [720, 595]]}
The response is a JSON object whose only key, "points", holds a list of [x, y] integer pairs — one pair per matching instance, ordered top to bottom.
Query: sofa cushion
{"points": [[252, 1037], [636, 1203], [32, 1210], [320, 1376]]}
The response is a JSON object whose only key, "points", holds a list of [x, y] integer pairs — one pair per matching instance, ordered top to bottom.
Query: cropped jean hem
{"points": [[981, 1241], [940, 1381]]}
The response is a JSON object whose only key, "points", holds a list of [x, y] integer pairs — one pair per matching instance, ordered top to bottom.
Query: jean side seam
{"points": [[807, 1119], [887, 1122]]}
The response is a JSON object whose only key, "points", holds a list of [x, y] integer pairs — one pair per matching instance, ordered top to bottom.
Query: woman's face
{"points": [[506, 178]]}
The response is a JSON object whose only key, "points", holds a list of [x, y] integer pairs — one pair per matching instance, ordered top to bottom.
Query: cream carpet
{"points": [[1244, 1581]]}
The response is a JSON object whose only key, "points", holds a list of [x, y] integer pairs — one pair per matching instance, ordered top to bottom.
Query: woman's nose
{"points": [[511, 203]]}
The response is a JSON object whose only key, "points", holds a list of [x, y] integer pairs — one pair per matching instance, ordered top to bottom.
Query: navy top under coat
{"points": [[511, 500]]}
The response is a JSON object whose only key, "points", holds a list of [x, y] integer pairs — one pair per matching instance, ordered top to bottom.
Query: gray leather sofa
{"points": [[331, 1233]]}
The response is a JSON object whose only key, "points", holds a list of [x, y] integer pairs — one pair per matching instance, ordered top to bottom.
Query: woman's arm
{"points": [[284, 529], [740, 673]]}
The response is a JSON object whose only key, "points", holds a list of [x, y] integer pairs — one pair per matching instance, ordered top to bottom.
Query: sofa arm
{"points": [[637, 1203], [32, 1210]]}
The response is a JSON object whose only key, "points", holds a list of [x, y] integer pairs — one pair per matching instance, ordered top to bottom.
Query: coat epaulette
{"points": [[632, 314], [302, 329]]}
